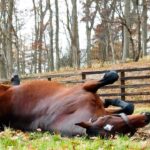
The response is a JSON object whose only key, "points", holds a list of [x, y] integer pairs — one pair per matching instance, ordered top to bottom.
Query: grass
{"points": [[12, 140], [17, 140]]}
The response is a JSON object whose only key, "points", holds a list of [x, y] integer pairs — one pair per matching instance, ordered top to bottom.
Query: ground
{"points": [[17, 140]]}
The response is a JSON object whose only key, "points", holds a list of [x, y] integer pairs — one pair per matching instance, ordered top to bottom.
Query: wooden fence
{"points": [[128, 80], [133, 83]]}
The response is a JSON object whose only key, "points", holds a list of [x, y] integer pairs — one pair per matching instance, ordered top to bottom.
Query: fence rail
{"points": [[131, 78], [124, 85]]}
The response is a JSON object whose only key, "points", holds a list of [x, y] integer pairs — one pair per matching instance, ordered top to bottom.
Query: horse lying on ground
{"points": [[78, 110]]}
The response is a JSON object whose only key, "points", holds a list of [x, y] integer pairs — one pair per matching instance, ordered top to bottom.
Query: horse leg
{"points": [[93, 86], [127, 108]]}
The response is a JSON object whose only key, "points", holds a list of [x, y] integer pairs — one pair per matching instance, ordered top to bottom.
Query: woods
{"points": [[53, 34]]}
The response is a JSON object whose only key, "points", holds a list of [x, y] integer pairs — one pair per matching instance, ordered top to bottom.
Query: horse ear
{"points": [[84, 124]]}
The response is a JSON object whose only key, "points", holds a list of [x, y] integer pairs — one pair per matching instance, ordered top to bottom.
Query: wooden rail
{"points": [[129, 79], [123, 85]]}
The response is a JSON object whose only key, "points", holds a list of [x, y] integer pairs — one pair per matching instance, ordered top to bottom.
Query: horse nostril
{"points": [[147, 114]]}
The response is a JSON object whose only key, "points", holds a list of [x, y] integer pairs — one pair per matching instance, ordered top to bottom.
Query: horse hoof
{"points": [[110, 77], [129, 109]]}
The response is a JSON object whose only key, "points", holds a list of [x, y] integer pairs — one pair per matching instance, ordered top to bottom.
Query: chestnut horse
{"points": [[78, 110]]}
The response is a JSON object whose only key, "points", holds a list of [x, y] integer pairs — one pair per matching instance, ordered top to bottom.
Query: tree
{"points": [[39, 16], [89, 20], [72, 27], [144, 27], [6, 30], [57, 36], [9, 39], [70, 39], [51, 50], [125, 51], [3, 72]]}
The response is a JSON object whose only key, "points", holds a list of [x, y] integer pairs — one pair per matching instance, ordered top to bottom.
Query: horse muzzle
{"points": [[147, 114]]}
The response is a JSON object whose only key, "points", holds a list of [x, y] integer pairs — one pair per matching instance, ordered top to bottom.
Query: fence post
{"points": [[83, 76], [49, 78], [122, 81]]}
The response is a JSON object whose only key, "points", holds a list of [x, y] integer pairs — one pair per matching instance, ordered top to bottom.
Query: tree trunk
{"points": [[136, 7], [68, 20], [144, 28], [88, 33], [57, 36], [75, 36], [36, 37], [40, 41], [51, 50], [125, 53], [9, 54], [3, 73]]}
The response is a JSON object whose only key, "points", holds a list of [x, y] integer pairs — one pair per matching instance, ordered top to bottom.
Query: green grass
{"points": [[17, 140]]}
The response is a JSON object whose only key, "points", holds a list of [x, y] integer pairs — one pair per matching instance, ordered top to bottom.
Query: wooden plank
{"points": [[135, 69], [118, 70], [94, 72], [83, 74], [63, 75], [51, 76], [136, 78], [71, 81], [109, 86], [126, 86], [125, 94], [139, 101]]}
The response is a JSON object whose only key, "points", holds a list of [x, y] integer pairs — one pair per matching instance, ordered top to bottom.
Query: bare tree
{"points": [[39, 16], [89, 20], [72, 27], [144, 27], [36, 28], [6, 30], [75, 35], [57, 36], [9, 39], [70, 39], [51, 50], [125, 52], [3, 72]]}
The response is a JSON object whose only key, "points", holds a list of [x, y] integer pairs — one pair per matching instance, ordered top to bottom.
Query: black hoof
{"points": [[110, 77], [15, 80], [129, 109]]}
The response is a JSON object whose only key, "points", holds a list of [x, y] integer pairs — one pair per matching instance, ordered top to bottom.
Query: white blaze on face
{"points": [[108, 127]]}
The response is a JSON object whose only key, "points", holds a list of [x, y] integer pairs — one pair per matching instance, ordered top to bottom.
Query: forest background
{"points": [[41, 36]]}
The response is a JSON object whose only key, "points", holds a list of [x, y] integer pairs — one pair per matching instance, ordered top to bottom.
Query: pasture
{"points": [[18, 140]]}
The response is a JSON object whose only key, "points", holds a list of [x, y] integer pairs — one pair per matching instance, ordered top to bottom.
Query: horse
{"points": [[70, 111]]}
